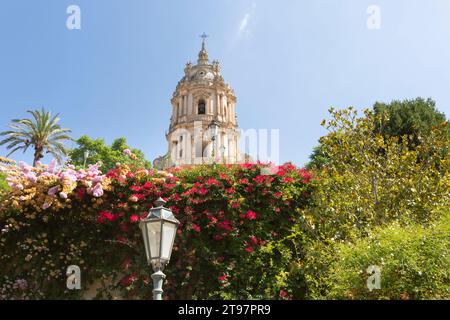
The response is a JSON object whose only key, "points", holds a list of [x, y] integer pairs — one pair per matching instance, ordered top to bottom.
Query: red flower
{"points": [[281, 172], [305, 174], [223, 176], [263, 178], [288, 180], [212, 181], [147, 185], [135, 188], [249, 189], [229, 190], [202, 191], [81, 193], [278, 194], [235, 204], [105, 215], [251, 215], [134, 218], [226, 225], [195, 227], [217, 237], [254, 240], [249, 249], [223, 278], [128, 280], [283, 294]]}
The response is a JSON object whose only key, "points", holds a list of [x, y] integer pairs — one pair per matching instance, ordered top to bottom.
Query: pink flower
{"points": [[127, 152], [31, 177], [52, 191], [97, 191], [63, 195], [133, 198], [46, 205], [251, 215], [134, 218], [195, 227], [254, 240], [283, 294]]}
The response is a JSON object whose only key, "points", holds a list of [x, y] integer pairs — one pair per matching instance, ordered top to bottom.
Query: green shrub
{"points": [[414, 262]]}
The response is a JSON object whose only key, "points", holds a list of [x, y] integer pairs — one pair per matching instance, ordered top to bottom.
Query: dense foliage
{"points": [[412, 118], [90, 151], [374, 184], [249, 231], [230, 244], [414, 263]]}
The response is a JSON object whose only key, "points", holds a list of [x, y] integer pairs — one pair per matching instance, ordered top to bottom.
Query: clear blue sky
{"points": [[288, 61]]}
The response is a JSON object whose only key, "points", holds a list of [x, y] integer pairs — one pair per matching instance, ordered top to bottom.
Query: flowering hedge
{"points": [[233, 240]]}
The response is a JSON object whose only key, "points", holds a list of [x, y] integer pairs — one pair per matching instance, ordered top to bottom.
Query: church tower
{"points": [[203, 127]]}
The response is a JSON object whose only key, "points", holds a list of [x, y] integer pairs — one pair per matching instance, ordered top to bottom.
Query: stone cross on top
{"points": [[204, 36]]}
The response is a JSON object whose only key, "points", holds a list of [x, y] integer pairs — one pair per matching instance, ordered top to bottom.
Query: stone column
{"points": [[190, 104], [211, 105], [216, 109], [175, 113]]}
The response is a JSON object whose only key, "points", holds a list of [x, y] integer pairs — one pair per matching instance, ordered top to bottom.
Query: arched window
{"points": [[201, 107]]}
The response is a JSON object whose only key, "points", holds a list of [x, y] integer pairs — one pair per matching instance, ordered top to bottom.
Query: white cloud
{"points": [[243, 26]]}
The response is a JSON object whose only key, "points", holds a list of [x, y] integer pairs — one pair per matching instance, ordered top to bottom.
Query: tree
{"points": [[408, 117], [414, 118], [42, 132], [97, 151], [317, 159], [371, 179]]}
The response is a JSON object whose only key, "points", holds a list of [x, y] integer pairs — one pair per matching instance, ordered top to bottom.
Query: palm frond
{"points": [[40, 130]]}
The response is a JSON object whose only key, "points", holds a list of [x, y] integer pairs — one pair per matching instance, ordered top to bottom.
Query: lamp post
{"points": [[214, 128], [86, 156], [159, 229]]}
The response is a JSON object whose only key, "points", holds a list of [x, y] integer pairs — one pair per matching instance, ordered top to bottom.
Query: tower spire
{"points": [[203, 54]]}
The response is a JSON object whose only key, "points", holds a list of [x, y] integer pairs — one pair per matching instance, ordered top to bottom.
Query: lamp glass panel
{"points": [[144, 234], [168, 235], [154, 238]]}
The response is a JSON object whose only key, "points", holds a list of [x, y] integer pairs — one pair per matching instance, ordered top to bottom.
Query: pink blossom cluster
{"points": [[60, 181]]}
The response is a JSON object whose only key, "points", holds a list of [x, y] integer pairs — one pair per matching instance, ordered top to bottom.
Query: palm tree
{"points": [[42, 132]]}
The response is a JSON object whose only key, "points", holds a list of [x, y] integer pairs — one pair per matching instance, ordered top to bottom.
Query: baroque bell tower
{"points": [[203, 127]]}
